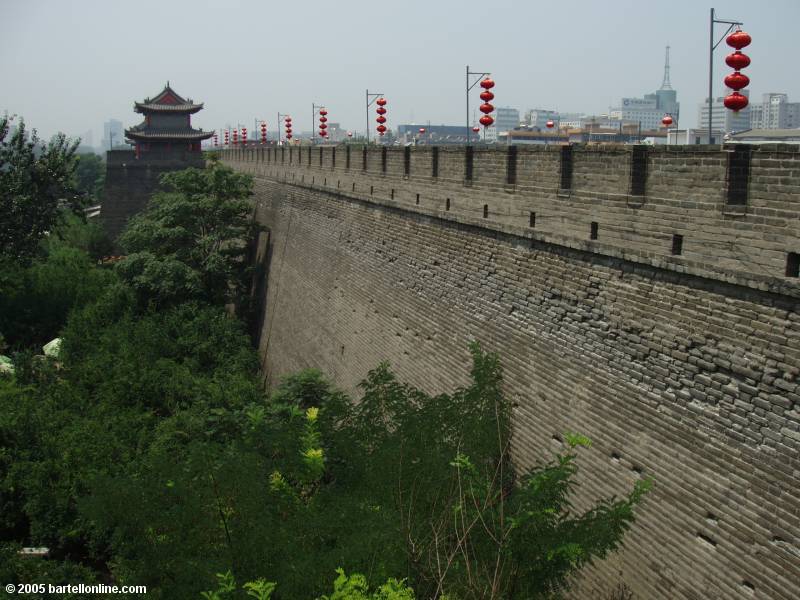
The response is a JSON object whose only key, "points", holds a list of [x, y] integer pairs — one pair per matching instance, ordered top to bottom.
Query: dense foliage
{"points": [[90, 175], [36, 181], [192, 241], [148, 453]]}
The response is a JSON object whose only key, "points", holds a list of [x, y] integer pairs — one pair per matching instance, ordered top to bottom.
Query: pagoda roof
{"points": [[168, 100], [142, 133]]}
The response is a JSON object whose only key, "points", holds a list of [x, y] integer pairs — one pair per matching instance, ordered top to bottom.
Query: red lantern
{"points": [[738, 39], [737, 60], [737, 81], [487, 83], [486, 95], [736, 101], [486, 108], [323, 112], [323, 119], [486, 120], [666, 121], [550, 124], [323, 126], [381, 128], [476, 129], [288, 130], [421, 130], [349, 134], [288, 136]]}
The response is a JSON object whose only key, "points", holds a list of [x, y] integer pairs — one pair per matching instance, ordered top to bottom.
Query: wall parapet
{"points": [[730, 215]]}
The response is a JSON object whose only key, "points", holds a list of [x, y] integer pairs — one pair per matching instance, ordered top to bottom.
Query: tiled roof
{"points": [[168, 100], [141, 107], [139, 133]]}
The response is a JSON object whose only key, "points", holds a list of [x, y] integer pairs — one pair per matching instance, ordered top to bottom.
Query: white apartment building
{"points": [[775, 112], [723, 118]]}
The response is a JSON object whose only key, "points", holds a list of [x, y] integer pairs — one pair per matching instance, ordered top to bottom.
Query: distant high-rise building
{"points": [[650, 109], [775, 112], [506, 119], [724, 119], [112, 134], [87, 138]]}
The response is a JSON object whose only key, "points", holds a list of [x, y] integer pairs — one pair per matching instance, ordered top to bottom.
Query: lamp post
{"points": [[711, 47], [469, 87], [371, 98], [315, 108], [260, 125], [279, 126]]}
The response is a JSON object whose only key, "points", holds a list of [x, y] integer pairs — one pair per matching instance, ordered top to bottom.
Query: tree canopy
{"points": [[36, 180], [192, 240]]}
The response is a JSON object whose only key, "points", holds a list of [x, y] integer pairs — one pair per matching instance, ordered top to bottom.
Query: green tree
{"points": [[90, 175], [36, 181], [192, 241]]}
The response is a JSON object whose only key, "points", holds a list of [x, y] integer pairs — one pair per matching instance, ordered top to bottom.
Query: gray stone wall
{"points": [[130, 182], [680, 368]]}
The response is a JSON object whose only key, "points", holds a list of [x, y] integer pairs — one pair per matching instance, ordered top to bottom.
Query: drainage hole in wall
{"points": [[417, 198], [706, 539]]}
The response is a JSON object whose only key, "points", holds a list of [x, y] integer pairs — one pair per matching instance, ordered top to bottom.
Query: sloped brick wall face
{"points": [[680, 367]]}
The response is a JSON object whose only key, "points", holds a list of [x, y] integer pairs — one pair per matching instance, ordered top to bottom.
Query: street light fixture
{"points": [[711, 47], [469, 87], [371, 98], [315, 108]]}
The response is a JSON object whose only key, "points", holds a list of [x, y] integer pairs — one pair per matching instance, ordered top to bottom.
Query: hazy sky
{"points": [[70, 65]]}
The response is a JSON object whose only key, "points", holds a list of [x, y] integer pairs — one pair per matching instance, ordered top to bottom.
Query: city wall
{"points": [[645, 298]]}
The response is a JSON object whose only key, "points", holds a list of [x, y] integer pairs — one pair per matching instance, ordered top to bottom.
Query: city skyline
{"points": [[582, 59]]}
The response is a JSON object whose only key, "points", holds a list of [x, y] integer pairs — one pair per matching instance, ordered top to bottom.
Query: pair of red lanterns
{"points": [[737, 60], [486, 108], [381, 110], [287, 122], [323, 123], [263, 132]]}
